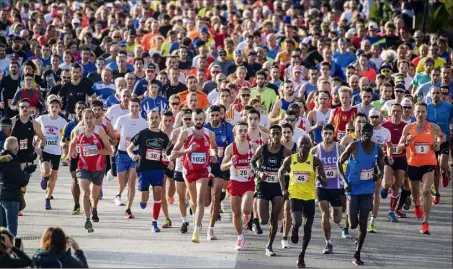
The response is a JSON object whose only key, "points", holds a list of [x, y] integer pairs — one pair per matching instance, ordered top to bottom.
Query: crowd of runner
{"points": [[274, 105]]}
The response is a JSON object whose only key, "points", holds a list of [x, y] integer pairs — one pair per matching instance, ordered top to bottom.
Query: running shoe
{"points": [[63, 163], [110, 176], [445, 179], [44, 181], [384, 193], [436, 199], [171, 200], [118, 201], [407, 203], [47, 204], [143, 205], [76, 210], [418, 211], [94, 213], [400, 213], [20, 214], [128, 214], [392, 217], [167, 224], [89, 226], [184, 227], [371, 227], [155, 228], [257, 228], [425, 228], [345, 233], [211, 236], [294, 236], [195, 238], [285, 243], [240, 244], [328, 249], [270, 252], [356, 260], [300, 262]]}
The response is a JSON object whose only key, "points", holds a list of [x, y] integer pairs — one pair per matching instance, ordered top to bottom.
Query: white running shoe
{"points": [[110, 177], [118, 201], [211, 235], [240, 244], [285, 244]]}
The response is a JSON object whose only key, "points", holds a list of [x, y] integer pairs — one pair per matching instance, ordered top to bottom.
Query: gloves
{"points": [[30, 169]]}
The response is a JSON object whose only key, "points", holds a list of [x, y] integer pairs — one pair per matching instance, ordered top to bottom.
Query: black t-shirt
{"points": [[164, 29], [20, 53], [313, 58], [185, 65], [252, 69], [94, 76], [50, 78], [8, 88], [169, 90], [74, 93], [151, 146]]}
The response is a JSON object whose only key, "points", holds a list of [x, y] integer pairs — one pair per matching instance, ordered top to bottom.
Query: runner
{"points": [[281, 106], [408, 111], [440, 113], [341, 115], [319, 116], [52, 126], [70, 126], [127, 127], [224, 136], [383, 138], [419, 140], [197, 141], [287, 141], [92, 143], [329, 152], [270, 157], [363, 157], [151, 162], [304, 169], [394, 173], [241, 185], [181, 188], [169, 189]]}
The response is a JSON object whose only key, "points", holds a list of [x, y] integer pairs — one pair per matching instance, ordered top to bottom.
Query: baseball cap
{"points": [[75, 20], [373, 26], [204, 30], [238, 52], [252, 52], [145, 54], [150, 66], [386, 66], [297, 68], [400, 86], [406, 102], [374, 113]]}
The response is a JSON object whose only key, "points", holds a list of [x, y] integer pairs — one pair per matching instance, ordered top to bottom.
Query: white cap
{"points": [[75, 20], [373, 25], [406, 102], [374, 113]]}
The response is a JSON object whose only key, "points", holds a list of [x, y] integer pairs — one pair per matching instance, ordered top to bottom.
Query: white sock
{"points": [[184, 219], [372, 219], [196, 228], [210, 228], [241, 237], [329, 242]]}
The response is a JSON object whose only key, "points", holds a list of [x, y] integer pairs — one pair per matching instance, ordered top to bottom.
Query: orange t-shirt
{"points": [[146, 41], [370, 74], [202, 98], [420, 151]]}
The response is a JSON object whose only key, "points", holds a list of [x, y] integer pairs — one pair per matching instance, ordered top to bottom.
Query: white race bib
{"points": [[341, 134], [51, 140], [23, 144], [421, 148], [85, 149], [395, 150], [153, 154], [198, 157], [243, 172], [331, 172], [366, 174], [271, 177], [301, 177]]}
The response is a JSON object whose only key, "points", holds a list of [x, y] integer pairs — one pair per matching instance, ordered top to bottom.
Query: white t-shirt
{"points": [[213, 97], [387, 106], [114, 112], [128, 127], [52, 130], [381, 136]]}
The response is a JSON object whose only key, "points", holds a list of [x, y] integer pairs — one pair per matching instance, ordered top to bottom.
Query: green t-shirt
{"points": [[419, 79], [268, 96]]}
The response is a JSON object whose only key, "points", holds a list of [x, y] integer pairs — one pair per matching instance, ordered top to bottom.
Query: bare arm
{"points": [[274, 116], [38, 133], [111, 134], [404, 140], [73, 143], [177, 151], [314, 151], [255, 158], [343, 158], [227, 159], [281, 174], [320, 174]]}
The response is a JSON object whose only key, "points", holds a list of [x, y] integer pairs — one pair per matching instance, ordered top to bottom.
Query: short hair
{"points": [[262, 73], [367, 89], [25, 100], [135, 100], [97, 103], [421, 104], [214, 108], [198, 111], [254, 111], [167, 113], [244, 123], [275, 126], [289, 126], [329, 127], [10, 143]]}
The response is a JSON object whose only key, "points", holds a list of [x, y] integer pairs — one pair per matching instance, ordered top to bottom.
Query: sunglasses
{"points": [[66, 77], [399, 91], [445, 93], [245, 95], [174, 104], [24, 107], [407, 107], [374, 117], [187, 119], [350, 130]]}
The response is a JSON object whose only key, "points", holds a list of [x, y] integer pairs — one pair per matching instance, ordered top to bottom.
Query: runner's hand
{"points": [[409, 139], [436, 146], [193, 147], [38, 150], [136, 158], [234, 160], [390, 160], [171, 165], [262, 175], [347, 187], [285, 193]]}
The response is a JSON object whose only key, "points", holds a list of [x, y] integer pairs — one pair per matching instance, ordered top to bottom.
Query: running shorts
{"points": [[54, 160], [399, 163], [415, 173], [94, 177], [150, 177], [236, 188], [333, 196], [359, 203], [307, 207]]}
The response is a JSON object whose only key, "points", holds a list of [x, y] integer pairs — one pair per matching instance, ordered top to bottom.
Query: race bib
{"points": [[341, 134], [52, 140], [128, 141], [23, 144], [421, 148], [86, 149], [395, 150], [220, 151], [153, 154], [198, 157], [165, 160], [243, 172], [331, 173], [366, 174], [271, 177], [301, 177]]}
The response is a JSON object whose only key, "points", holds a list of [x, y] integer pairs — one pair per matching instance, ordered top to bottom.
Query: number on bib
{"points": [[341, 134], [52, 140], [23, 144], [421, 148], [86, 149], [395, 150], [153, 154], [198, 157], [243, 172], [331, 173], [366, 174], [301, 177], [271, 178]]}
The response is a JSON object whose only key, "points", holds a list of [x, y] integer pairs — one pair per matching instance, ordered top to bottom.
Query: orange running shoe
{"points": [[436, 199], [418, 211], [425, 228]]}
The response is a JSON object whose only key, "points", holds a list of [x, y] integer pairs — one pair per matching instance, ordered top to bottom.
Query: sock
{"points": [[403, 197], [393, 201], [156, 209], [184, 219], [372, 219], [255, 220], [196, 228], [210, 228], [241, 237], [285, 238], [329, 242]]}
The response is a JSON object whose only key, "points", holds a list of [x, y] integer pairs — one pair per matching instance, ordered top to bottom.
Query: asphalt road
{"points": [[119, 242]]}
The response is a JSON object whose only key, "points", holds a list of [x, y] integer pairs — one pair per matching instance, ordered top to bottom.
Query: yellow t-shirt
{"points": [[438, 63], [302, 179]]}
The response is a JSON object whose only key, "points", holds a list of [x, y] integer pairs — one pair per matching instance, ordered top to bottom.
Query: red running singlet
{"points": [[87, 161], [196, 163]]}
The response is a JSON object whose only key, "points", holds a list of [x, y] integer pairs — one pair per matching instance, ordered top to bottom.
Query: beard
{"points": [[199, 126]]}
